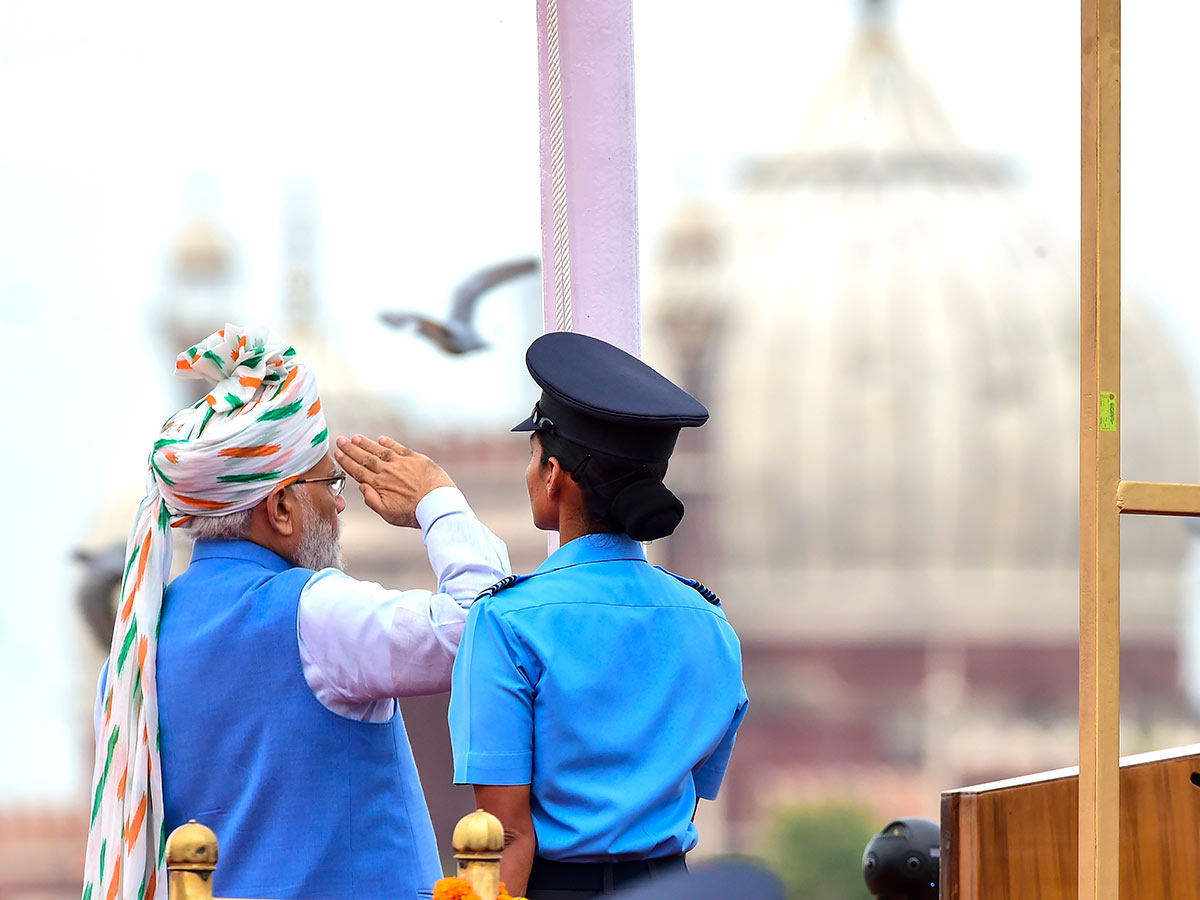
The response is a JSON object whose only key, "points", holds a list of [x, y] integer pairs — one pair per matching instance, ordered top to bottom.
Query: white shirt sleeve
{"points": [[362, 644]]}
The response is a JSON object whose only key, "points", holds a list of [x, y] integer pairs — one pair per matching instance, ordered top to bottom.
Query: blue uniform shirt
{"points": [[610, 687]]}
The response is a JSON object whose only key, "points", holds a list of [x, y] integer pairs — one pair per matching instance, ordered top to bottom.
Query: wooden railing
{"points": [[1019, 839]]}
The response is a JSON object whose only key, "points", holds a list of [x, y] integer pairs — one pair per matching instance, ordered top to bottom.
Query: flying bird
{"points": [[457, 334]]}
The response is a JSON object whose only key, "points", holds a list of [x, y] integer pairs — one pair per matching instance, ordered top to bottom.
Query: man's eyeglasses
{"points": [[337, 483]]}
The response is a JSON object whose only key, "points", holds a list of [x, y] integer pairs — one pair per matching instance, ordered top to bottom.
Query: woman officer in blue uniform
{"points": [[596, 700]]}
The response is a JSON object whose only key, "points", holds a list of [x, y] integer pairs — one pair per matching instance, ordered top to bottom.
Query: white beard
{"points": [[320, 544]]}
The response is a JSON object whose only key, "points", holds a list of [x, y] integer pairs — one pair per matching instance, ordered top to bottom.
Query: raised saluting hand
{"points": [[391, 477]]}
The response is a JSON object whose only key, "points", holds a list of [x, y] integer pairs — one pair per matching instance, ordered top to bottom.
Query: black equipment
{"points": [[901, 862]]}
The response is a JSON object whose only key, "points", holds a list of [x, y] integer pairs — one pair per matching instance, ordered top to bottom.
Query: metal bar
{"points": [[1100, 451], [1152, 498]]}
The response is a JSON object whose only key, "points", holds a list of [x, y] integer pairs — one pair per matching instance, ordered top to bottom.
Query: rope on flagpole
{"points": [[558, 177]]}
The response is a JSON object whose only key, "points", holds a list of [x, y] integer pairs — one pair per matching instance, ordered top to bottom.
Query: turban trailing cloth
{"points": [[259, 427]]}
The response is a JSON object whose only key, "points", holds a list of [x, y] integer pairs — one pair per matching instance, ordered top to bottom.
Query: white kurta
{"points": [[362, 644]]}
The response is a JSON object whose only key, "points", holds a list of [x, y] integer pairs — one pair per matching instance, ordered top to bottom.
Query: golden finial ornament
{"points": [[479, 832], [478, 841], [191, 858]]}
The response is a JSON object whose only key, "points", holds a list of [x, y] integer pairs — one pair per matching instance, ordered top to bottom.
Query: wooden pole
{"points": [[1100, 452]]}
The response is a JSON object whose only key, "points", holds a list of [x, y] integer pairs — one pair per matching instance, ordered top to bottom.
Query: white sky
{"points": [[415, 125]]}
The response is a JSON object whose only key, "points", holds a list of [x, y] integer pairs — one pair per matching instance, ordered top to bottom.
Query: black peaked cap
{"points": [[602, 398]]}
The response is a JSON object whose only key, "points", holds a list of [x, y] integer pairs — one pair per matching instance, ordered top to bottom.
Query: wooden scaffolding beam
{"points": [[1100, 451], [1103, 496]]}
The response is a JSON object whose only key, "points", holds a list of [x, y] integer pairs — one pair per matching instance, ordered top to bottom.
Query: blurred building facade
{"points": [[887, 494]]}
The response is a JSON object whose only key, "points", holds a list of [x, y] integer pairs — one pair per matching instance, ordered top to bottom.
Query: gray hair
{"points": [[231, 526]]}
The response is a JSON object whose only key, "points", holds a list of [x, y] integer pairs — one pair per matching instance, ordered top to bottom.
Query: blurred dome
{"points": [[891, 349]]}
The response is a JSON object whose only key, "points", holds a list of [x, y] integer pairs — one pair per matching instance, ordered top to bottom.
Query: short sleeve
{"points": [[491, 702], [710, 773]]}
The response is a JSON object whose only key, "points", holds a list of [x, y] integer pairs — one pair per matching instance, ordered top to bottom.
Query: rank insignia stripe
{"points": [[506, 582], [695, 585]]}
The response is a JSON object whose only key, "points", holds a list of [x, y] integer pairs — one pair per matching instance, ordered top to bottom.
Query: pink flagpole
{"points": [[590, 105]]}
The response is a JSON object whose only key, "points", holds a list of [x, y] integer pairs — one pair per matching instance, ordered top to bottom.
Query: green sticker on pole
{"points": [[1108, 411]]}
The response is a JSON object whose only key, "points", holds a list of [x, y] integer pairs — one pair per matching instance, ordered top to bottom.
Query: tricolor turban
{"points": [[260, 426]]}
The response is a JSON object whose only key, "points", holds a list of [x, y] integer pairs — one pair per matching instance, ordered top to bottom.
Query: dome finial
{"points": [[478, 832], [478, 841], [192, 848], [191, 854]]}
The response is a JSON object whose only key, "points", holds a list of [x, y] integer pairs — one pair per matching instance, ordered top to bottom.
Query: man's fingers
{"points": [[370, 446], [398, 447], [363, 450], [352, 461], [371, 498], [375, 501]]}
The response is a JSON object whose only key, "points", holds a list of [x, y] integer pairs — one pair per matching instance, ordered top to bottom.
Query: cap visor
{"points": [[527, 425]]}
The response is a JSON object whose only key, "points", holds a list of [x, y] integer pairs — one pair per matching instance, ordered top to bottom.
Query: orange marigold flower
{"points": [[453, 889], [458, 889]]}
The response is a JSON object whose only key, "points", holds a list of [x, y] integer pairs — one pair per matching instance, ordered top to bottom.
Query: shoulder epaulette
{"points": [[506, 582], [696, 586]]}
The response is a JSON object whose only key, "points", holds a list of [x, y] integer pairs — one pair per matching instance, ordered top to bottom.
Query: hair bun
{"points": [[646, 509]]}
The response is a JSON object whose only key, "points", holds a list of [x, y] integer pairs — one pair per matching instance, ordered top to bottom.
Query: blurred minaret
{"points": [[199, 296], [692, 311], [300, 319], [304, 321]]}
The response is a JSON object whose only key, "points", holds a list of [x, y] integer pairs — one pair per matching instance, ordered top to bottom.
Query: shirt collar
{"points": [[222, 548], [592, 548]]}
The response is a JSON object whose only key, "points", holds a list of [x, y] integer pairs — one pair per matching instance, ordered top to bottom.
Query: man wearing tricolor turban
{"points": [[255, 692]]}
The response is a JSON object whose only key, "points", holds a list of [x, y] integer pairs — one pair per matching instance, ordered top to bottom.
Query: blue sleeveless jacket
{"points": [[306, 804]]}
